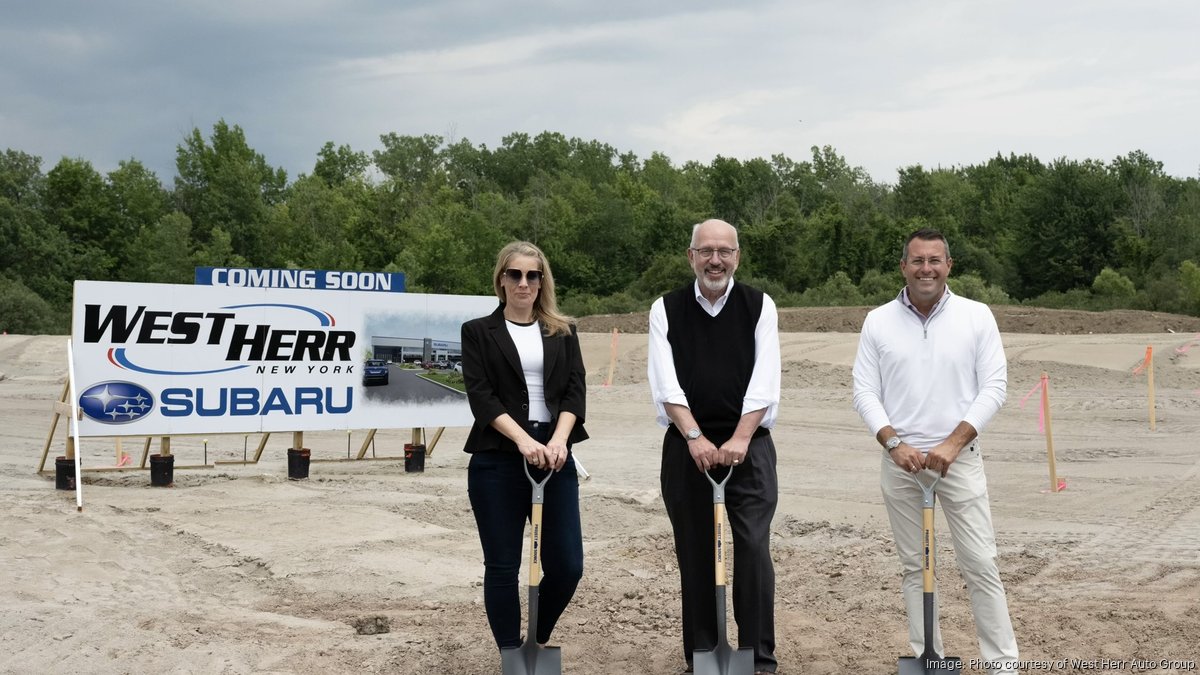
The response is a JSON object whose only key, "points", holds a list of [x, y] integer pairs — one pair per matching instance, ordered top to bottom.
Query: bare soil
{"points": [[1010, 318], [364, 568]]}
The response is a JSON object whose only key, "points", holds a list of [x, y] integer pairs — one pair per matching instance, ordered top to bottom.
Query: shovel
{"points": [[531, 658], [722, 659], [929, 663]]}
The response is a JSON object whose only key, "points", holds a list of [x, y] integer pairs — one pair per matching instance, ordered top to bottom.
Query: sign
{"points": [[245, 277], [166, 359]]}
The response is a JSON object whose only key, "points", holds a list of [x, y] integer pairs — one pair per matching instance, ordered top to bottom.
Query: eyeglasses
{"points": [[722, 253], [920, 262], [533, 277]]}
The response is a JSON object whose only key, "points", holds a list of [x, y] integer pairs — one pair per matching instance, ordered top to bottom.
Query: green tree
{"points": [[409, 161], [336, 166], [21, 179], [224, 184], [21, 188], [137, 201], [77, 203], [1067, 219], [315, 228], [165, 250], [454, 250], [1189, 278], [1112, 284], [878, 287], [974, 287], [839, 290], [23, 311]]}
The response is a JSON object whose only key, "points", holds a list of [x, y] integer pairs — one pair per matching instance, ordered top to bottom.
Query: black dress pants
{"points": [[750, 499]]}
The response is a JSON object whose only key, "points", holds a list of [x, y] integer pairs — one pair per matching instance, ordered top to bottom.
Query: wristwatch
{"points": [[693, 433], [892, 443]]}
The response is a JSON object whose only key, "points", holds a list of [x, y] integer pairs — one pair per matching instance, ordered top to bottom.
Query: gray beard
{"points": [[714, 286]]}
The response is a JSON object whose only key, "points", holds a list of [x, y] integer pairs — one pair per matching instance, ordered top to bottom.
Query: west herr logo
{"points": [[242, 342], [116, 402]]}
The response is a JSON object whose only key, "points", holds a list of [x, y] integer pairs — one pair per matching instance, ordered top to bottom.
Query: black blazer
{"points": [[496, 382]]}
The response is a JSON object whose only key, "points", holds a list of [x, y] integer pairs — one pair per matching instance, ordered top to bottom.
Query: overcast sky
{"points": [[888, 84]]}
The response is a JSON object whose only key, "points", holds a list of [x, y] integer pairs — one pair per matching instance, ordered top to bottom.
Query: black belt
{"points": [[535, 426]]}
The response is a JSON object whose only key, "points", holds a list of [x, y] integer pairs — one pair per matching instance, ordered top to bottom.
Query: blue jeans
{"points": [[500, 497]]}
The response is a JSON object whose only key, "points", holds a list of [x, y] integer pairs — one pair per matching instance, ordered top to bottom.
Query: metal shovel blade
{"points": [[531, 659], [723, 660], [920, 665]]}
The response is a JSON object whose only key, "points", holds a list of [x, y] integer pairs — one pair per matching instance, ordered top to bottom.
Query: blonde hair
{"points": [[545, 307]]}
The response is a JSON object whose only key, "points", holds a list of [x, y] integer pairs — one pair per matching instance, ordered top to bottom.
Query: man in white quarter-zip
{"points": [[929, 375]]}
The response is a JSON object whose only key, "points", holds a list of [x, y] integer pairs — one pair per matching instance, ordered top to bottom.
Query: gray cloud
{"points": [[888, 84]]}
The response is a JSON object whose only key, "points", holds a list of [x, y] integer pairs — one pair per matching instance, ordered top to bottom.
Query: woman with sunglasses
{"points": [[525, 383]]}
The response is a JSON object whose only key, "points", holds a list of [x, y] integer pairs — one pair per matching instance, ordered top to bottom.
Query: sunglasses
{"points": [[533, 277]]}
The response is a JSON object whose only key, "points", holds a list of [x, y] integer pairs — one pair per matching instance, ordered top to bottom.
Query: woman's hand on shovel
{"points": [[556, 451], [535, 453]]}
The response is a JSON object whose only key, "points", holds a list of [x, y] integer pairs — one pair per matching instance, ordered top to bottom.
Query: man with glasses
{"points": [[714, 372], [929, 374]]}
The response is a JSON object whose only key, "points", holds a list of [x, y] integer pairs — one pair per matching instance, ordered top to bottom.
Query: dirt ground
{"points": [[1010, 318], [236, 569]]}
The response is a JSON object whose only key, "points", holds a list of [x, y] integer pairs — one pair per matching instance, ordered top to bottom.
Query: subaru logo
{"points": [[116, 402]]}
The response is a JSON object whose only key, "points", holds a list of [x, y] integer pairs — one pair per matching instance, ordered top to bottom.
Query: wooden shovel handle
{"points": [[535, 525], [719, 543], [927, 544], [535, 545]]}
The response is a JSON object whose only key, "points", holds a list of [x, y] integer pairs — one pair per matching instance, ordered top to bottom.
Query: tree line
{"points": [[1066, 233]]}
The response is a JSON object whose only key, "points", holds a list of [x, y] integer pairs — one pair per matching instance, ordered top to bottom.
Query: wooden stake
{"points": [[612, 359], [1150, 381], [59, 408], [1049, 433], [437, 435], [367, 443], [262, 445]]}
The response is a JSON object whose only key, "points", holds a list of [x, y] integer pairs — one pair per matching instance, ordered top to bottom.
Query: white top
{"points": [[529, 345], [924, 376], [763, 389]]}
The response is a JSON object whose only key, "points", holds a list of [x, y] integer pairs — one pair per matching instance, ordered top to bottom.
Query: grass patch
{"points": [[450, 379]]}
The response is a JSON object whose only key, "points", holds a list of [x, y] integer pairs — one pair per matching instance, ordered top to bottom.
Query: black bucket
{"points": [[414, 458], [298, 463], [162, 470], [64, 473]]}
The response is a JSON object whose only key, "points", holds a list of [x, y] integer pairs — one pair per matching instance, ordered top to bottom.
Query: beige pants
{"points": [[964, 500]]}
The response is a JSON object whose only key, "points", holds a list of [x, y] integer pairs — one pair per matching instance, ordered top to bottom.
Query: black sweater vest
{"points": [[714, 355]]}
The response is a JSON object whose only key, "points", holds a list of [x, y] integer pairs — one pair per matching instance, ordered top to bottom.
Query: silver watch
{"points": [[693, 433], [892, 443]]}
